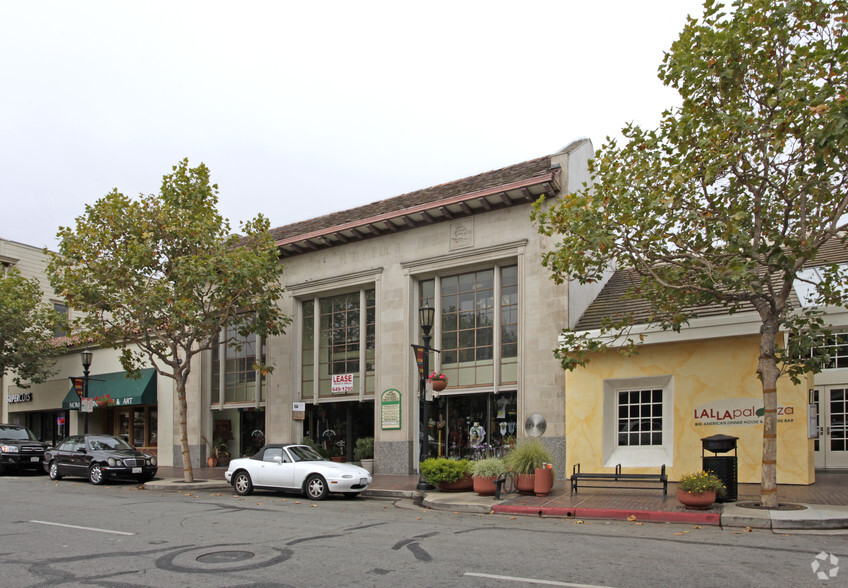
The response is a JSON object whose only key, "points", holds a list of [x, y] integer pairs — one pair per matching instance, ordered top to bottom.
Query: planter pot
{"points": [[439, 385], [102, 403], [339, 458], [212, 461], [224, 461], [368, 465], [544, 481], [526, 483], [462, 485], [485, 486], [701, 501]]}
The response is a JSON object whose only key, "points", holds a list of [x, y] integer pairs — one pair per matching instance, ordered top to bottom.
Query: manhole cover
{"points": [[780, 506], [225, 557]]}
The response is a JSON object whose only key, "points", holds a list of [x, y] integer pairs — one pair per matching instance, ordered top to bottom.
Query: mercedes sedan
{"points": [[98, 458], [297, 468]]}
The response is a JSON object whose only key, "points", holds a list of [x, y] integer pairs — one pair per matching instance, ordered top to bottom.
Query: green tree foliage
{"points": [[732, 195], [161, 276], [27, 325]]}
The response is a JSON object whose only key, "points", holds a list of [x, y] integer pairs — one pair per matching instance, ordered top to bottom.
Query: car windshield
{"points": [[16, 434], [106, 443], [304, 453]]}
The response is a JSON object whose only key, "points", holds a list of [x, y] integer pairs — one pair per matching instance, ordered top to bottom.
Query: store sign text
{"points": [[342, 384], [22, 397], [738, 411]]}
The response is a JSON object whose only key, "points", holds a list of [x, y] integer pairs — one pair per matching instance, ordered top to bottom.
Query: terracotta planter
{"points": [[439, 385], [102, 403], [339, 458], [212, 461], [544, 481], [526, 483], [462, 485], [485, 486], [701, 501]]}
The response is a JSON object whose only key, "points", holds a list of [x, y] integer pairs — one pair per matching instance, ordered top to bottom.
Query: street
{"points": [[70, 533]]}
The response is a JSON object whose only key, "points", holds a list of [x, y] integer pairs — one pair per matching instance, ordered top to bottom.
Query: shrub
{"points": [[364, 448], [527, 455], [486, 468], [441, 469], [700, 482]]}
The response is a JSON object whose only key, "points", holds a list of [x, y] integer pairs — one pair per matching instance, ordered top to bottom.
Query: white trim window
{"points": [[836, 346], [234, 369], [638, 422]]}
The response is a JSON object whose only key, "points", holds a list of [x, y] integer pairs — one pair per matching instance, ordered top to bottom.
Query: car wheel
{"points": [[54, 471], [96, 475], [242, 484], [316, 487], [351, 495]]}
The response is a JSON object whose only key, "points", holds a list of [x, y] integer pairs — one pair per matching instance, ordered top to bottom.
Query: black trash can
{"points": [[725, 467]]}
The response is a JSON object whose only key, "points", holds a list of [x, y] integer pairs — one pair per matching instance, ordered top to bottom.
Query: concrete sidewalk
{"points": [[823, 506]]}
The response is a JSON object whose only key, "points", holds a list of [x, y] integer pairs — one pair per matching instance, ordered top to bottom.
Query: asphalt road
{"points": [[70, 533]]}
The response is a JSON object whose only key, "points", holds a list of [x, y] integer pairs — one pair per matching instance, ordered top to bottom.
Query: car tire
{"points": [[53, 471], [96, 475], [242, 484], [315, 487], [351, 495]]}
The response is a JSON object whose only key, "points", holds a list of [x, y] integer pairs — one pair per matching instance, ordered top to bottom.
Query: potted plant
{"points": [[439, 380], [103, 401], [221, 451], [363, 452], [528, 455], [211, 458], [485, 472], [450, 475], [699, 490]]}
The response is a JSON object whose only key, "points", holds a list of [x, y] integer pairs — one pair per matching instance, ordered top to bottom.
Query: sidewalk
{"points": [[825, 502]]}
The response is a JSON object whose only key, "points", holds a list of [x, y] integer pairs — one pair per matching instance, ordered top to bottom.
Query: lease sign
{"points": [[342, 384]]}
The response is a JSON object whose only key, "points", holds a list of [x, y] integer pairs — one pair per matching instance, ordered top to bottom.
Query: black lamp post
{"points": [[426, 315], [86, 356]]}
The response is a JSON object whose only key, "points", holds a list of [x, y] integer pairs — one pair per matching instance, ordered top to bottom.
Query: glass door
{"points": [[831, 448]]}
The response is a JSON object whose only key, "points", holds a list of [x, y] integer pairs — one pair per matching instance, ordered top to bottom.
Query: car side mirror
{"points": [[81, 450], [278, 459]]}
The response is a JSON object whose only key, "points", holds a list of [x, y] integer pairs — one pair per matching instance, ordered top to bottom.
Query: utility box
{"points": [[725, 467]]}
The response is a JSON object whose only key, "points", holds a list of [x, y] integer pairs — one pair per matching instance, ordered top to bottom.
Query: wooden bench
{"points": [[577, 475]]}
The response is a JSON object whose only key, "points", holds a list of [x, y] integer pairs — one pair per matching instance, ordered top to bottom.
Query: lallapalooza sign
{"points": [[738, 411]]}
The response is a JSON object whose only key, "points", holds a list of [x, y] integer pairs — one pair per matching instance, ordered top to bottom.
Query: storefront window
{"points": [[345, 325], [473, 426]]}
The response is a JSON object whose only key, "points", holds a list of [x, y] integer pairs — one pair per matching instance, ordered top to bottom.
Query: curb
{"points": [[701, 518]]}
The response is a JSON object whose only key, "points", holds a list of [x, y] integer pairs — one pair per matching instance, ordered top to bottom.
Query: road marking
{"points": [[83, 528], [532, 580]]}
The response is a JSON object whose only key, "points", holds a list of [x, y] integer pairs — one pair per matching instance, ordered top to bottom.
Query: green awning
{"points": [[123, 390]]}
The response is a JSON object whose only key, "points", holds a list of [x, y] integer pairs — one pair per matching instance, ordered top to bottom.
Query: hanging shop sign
{"points": [[342, 384], [390, 410], [298, 411], [738, 411]]}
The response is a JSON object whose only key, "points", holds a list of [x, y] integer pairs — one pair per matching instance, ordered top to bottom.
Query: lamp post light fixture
{"points": [[426, 315], [86, 357]]}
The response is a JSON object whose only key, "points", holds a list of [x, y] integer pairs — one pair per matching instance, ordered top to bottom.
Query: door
{"points": [[831, 448]]}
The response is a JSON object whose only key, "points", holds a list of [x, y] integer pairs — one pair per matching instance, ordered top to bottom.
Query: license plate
{"points": [[34, 459], [136, 470], [363, 481]]}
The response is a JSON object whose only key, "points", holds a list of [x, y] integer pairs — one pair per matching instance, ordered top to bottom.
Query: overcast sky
{"points": [[304, 108]]}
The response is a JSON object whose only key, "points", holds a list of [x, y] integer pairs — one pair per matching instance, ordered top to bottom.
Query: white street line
{"points": [[83, 528], [532, 580]]}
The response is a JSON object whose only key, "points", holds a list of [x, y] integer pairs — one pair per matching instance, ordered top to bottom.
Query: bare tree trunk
{"points": [[768, 371], [188, 474]]}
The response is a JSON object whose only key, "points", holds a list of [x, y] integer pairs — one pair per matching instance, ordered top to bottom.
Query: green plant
{"points": [[437, 376], [220, 448], [364, 448], [527, 455], [488, 467], [441, 469], [700, 482]]}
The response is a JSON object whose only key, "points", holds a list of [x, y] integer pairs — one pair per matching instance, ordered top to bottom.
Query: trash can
{"points": [[723, 466]]}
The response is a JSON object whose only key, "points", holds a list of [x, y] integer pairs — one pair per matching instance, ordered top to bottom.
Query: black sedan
{"points": [[98, 458]]}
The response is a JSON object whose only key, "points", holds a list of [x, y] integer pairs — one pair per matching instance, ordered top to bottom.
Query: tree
{"points": [[732, 195], [161, 277], [27, 326]]}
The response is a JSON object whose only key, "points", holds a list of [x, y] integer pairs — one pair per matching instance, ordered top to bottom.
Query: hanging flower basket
{"points": [[439, 381]]}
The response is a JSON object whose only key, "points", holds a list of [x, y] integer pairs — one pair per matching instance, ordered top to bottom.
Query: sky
{"points": [[302, 108]]}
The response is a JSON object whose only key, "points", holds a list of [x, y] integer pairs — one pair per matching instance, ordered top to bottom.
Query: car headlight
{"points": [[11, 449], [112, 461], [153, 461], [347, 477]]}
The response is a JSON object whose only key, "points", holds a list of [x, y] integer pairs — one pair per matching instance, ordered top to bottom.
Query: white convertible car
{"points": [[298, 468]]}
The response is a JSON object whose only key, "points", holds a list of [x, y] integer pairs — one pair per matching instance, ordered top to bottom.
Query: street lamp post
{"points": [[426, 315], [86, 356]]}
